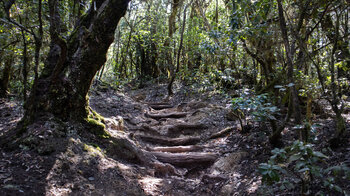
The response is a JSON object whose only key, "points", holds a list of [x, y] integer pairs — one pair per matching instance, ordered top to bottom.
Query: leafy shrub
{"points": [[257, 107], [302, 161]]}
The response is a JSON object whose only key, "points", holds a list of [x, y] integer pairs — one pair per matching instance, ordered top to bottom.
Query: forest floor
{"points": [[196, 147]]}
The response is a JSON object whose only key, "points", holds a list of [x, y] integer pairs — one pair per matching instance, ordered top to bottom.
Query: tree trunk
{"points": [[331, 30], [38, 41], [116, 48], [72, 64], [122, 65], [25, 66], [5, 77], [335, 89], [170, 90], [294, 93]]}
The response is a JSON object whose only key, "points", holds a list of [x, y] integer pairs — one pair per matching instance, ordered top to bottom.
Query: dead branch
{"points": [[222, 132]]}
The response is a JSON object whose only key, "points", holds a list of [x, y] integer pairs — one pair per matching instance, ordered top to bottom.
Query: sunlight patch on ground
{"points": [[16, 120], [220, 141], [105, 164], [123, 167], [236, 175], [59, 181], [151, 185], [253, 186], [52, 187], [58, 191]]}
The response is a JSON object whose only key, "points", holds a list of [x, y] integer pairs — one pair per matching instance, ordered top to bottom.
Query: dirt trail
{"points": [[187, 146], [198, 152]]}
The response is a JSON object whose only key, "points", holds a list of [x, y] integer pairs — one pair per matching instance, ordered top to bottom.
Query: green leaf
{"points": [[278, 86], [319, 154], [294, 157], [300, 164], [264, 166], [303, 170], [337, 188]]}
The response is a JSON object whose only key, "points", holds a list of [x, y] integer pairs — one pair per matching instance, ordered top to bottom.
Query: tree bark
{"points": [[38, 41], [72, 64], [25, 66], [5, 76], [170, 90], [294, 93]]}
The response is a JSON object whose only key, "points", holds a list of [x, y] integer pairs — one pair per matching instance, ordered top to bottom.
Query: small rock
{"points": [[229, 162], [91, 178], [207, 178], [227, 190]]}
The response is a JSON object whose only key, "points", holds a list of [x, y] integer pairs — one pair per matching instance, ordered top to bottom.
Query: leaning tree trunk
{"points": [[71, 65]]}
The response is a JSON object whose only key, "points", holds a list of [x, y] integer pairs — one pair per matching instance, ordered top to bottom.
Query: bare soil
{"points": [[194, 147]]}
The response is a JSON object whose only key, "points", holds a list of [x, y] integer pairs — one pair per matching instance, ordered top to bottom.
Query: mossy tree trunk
{"points": [[72, 63]]}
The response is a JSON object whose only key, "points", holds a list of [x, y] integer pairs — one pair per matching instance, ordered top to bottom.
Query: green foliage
{"points": [[223, 79], [256, 106], [302, 161], [270, 172]]}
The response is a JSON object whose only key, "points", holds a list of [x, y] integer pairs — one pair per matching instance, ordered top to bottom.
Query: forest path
{"points": [[171, 136], [190, 143], [200, 152]]}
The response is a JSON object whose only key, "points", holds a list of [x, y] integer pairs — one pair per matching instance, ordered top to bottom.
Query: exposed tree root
{"points": [[156, 103], [160, 107], [170, 115], [180, 127], [145, 128], [222, 132], [169, 141], [124, 148], [176, 149], [187, 159], [166, 169], [210, 177]]}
